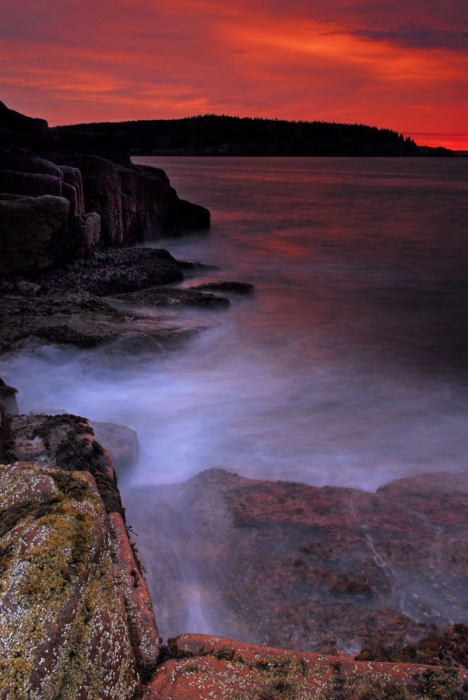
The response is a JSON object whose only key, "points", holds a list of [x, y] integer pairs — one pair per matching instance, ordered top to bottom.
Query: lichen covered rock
{"points": [[63, 619], [201, 667]]}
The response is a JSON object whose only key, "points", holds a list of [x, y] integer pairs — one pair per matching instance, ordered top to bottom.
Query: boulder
{"points": [[23, 161], [32, 184], [156, 202], [193, 216], [91, 231], [32, 232], [8, 398], [121, 443], [63, 446], [62, 612]]}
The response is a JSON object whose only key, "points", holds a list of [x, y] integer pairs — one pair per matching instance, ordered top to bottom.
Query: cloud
{"points": [[419, 37], [389, 64]]}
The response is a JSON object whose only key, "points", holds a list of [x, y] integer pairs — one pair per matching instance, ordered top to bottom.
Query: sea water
{"points": [[347, 366]]}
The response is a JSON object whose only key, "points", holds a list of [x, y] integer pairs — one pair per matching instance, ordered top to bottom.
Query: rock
{"points": [[20, 122], [23, 161], [156, 172], [72, 177], [32, 184], [69, 192], [102, 194], [134, 202], [149, 206], [193, 216], [31, 229], [91, 231], [117, 271], [225, 286], [27, 288], [154, 296], [67, 309], [84, 321], [8, 398], [121, 443], [290, 565], [62, 613], [102, 624], [141, 624], [446, 648], [200, 666]]}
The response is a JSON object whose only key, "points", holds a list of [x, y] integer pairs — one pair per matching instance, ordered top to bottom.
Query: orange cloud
{"points": [[103, 60]]}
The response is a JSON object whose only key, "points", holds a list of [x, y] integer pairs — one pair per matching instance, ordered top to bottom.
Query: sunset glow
{"points": [[385, 64]]}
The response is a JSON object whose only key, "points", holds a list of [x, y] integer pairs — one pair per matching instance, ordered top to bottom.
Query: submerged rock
{"points": [[225, 286], [173, 297], [65, 306], [8, 398], [121, 442], [319, 569]]}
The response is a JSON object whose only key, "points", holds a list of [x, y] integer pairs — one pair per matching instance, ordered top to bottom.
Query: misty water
{"points": [[349, 364]]}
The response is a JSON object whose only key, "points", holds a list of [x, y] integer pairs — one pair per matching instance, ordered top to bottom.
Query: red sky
{"points": [[399, 64]]}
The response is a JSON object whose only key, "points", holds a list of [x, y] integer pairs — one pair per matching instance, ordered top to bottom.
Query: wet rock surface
{"points": [[225, 286], [173, 297], [66, 306], [121, 442], [319, 569], [201, 667]]}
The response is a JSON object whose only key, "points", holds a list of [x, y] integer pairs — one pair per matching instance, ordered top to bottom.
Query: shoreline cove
{"points": [[320, 361]]}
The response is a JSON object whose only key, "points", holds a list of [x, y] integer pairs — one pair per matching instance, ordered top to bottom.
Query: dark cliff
{"points": [[65, 196]]}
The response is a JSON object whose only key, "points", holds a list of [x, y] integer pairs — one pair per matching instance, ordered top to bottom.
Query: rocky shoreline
{"points": [[75, 610], [76, 614]]}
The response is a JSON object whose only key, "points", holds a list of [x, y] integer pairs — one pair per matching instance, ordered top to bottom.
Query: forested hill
{"points": [[234, 136]]}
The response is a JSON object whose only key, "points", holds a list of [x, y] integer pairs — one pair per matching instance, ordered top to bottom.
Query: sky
{"points": [[400, 64]]}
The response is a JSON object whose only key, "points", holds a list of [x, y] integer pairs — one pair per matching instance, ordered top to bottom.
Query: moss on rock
{"points": [[64, 632]]}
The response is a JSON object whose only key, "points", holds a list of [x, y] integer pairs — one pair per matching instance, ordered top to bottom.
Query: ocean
{"points": [[348, 365]]}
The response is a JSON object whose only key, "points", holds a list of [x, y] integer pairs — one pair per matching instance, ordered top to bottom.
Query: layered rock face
{"points": [[98, 198]]}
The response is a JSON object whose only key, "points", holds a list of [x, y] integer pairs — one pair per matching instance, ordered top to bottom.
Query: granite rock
{"points": [[31, 232], [121, 442], [320, 569], [63, 617], [202, 667]]}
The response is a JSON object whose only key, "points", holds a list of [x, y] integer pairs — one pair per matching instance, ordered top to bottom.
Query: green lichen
{"points": [[60, 613]]}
